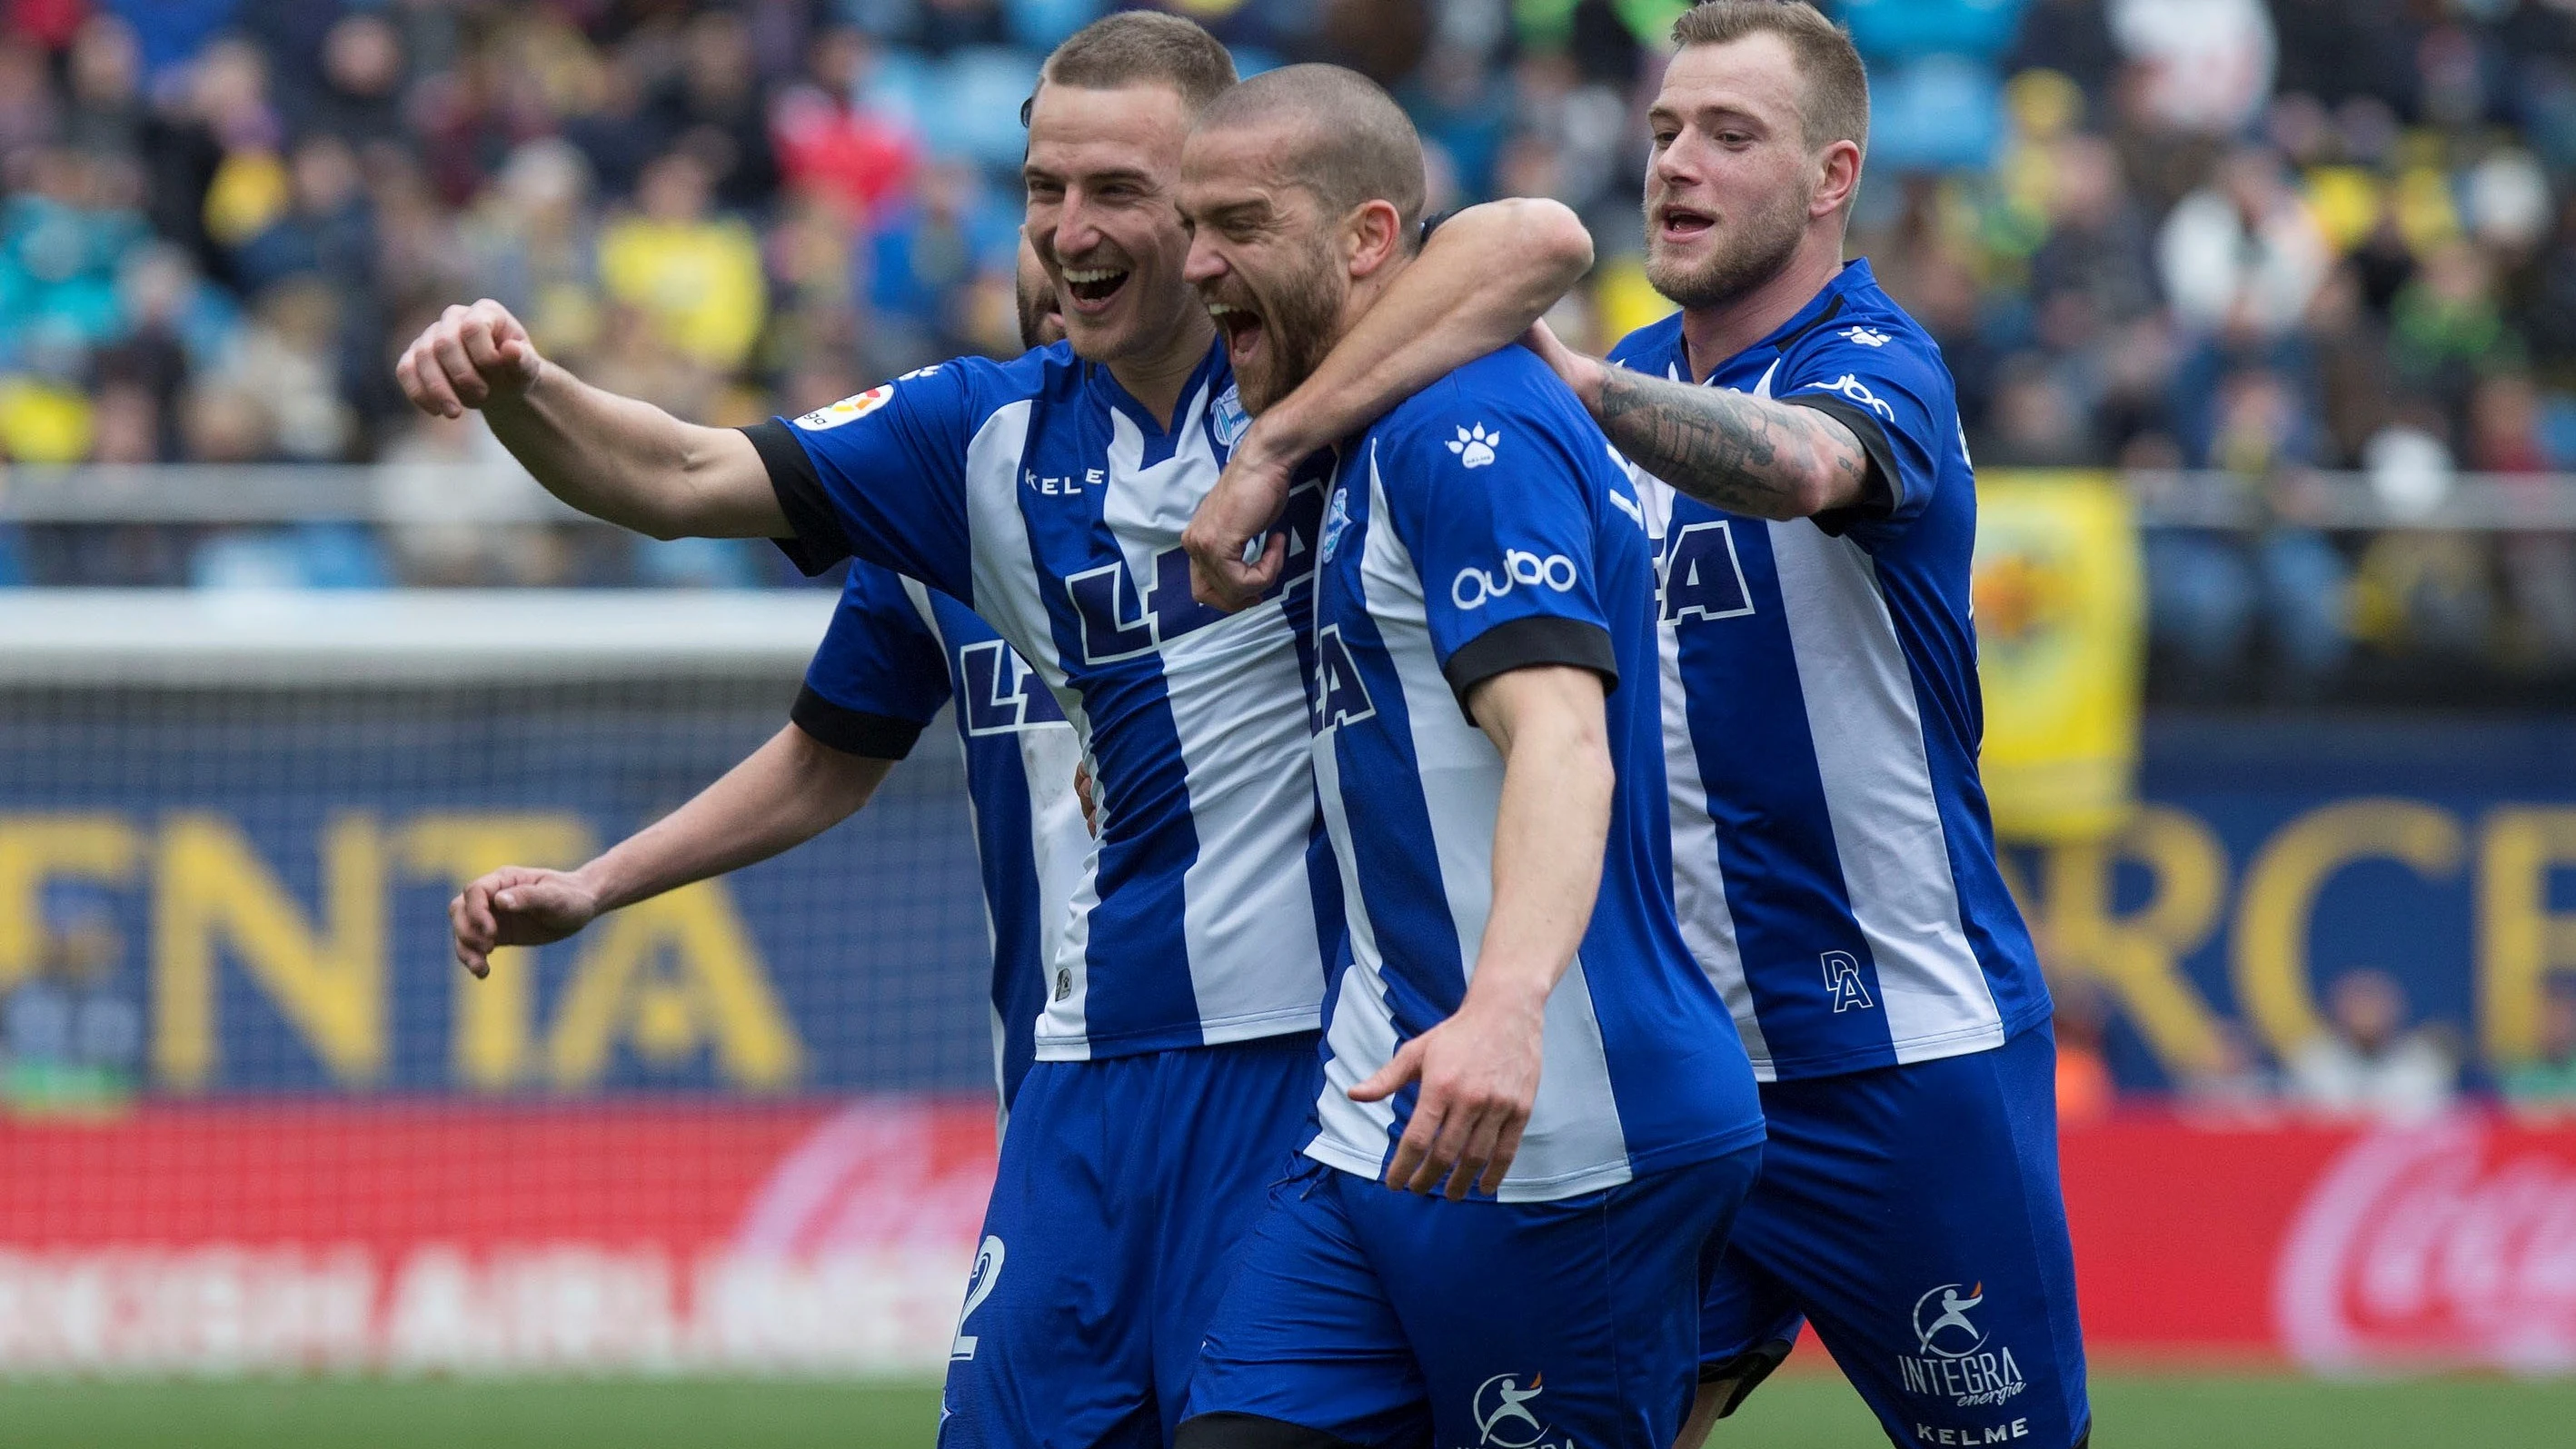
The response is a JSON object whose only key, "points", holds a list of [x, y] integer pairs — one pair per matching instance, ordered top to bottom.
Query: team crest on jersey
{"points": [[1865, 336], [849, 409], [1230, 420], [1475, 447], [1337, 519], [1843, 983], [1955, 1358]]}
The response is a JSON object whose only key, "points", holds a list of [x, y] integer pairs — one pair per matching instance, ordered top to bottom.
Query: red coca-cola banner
{"points": [[820, 1237], [837, 1237], [2448, 1244]]}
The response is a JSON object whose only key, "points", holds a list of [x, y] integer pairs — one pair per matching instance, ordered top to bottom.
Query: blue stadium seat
{"points": [[1043, 24], [973, 107], [1940, 113], [304, 556], [695, 563]]}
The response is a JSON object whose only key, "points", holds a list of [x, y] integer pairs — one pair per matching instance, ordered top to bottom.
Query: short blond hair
{"points": [[1143, 47], [1836, 107]]}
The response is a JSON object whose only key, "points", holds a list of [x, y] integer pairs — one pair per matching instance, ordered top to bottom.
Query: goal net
{"points": [[254, 1117]]}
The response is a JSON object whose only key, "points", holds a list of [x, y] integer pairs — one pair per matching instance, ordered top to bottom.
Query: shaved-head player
{"points": [[1521, 1042]]}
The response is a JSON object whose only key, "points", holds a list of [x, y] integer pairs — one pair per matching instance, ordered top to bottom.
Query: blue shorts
{"points": [[1125, 1190], [1913, 1214], [1387, 1318]]}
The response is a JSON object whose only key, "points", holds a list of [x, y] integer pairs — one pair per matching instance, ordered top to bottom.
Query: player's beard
{"points": [[1758, 252], [1299, 313], [1040, 324]]}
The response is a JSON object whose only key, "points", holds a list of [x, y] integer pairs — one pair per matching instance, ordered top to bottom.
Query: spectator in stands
{"points": [[714, 106], [2160, 219], [2241, 257], [694, 277], [2446, 327], [2037, 421], [2539, 568], [2212, 594], [70, 1035], [2366, 1062], [2547, 1083], [2235, 1088], [2085, 1091]]}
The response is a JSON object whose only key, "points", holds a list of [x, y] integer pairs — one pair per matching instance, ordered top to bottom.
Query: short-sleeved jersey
{"points": [[1042, 496], [1485, 526], [895, 652], [1833, 859]]}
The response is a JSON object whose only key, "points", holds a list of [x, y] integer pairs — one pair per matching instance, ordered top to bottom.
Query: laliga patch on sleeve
{"points": [[848, 409]]}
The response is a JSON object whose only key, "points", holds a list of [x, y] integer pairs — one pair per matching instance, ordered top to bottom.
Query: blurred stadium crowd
{"points": [[2263, 237]]}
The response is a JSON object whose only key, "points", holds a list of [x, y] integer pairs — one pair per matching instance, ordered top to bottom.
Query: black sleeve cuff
{"points": [[1880, 492], [818, 543], [1526, 643], [853, 731]]}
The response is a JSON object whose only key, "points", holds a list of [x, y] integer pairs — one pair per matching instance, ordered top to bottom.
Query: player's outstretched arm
{"points": [[1482, 279], [1727, 449], [614, 458], [787, 792], [1479, 1069]]}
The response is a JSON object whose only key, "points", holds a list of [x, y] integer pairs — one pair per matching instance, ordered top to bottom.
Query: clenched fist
{"points": [[467, 358], [517, 906]]}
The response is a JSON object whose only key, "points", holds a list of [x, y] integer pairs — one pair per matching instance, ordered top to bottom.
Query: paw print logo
{"points": [[1866, 336], [1474, 446]]}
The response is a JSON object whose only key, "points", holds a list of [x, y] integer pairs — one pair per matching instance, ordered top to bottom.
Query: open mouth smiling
{"points": [[1090, 288], [1242, 327]]}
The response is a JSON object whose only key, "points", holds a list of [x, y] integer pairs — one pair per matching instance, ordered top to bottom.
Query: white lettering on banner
{"points": [[2413, 1250], [851, 1257], [526, 1308], [212, 1309]]}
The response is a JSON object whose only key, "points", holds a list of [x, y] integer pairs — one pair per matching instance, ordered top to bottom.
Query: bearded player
{"points": [[1797, 444], [1521, 1037], [1176, 1047]]}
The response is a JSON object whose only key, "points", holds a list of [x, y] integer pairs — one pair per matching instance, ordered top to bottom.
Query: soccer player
{"points": [[893, 652], [1833, 859], [1520, 1020], [1176, 1059]]}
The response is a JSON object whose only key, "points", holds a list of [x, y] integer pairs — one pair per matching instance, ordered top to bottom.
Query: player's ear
{"points": [[1838, 178], [1372, 235]]}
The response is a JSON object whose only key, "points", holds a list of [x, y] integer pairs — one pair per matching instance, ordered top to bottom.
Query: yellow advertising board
{"points": [[2060, 641]]}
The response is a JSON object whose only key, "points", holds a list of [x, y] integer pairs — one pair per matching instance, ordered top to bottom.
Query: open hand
{"points": [[466, 359], [517, 905], [1479, 1074]]}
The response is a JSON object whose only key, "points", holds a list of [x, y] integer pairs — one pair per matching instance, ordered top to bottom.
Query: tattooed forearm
{"points": [[1732, 450]]}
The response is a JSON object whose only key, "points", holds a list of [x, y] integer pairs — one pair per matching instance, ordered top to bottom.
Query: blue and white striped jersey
{"points": [[1041, 495], [1485, 526], [895, 653], [1833, 860]]}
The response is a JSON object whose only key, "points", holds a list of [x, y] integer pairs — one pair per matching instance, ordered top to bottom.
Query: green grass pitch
{"points": [[1796, 1411]]}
